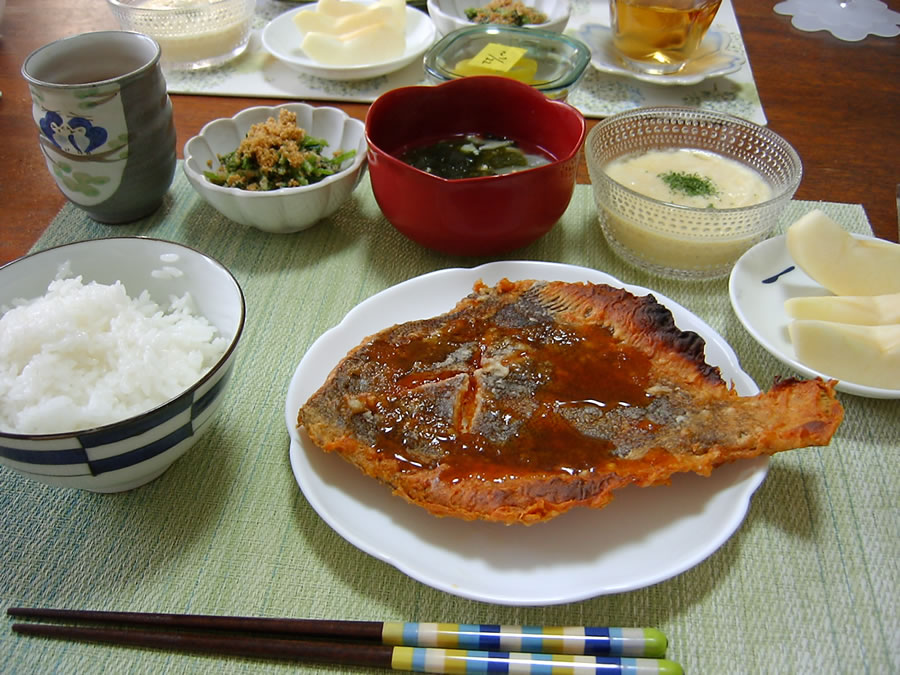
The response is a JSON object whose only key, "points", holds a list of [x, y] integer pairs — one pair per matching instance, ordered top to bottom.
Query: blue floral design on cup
{"points": [[106, 133], [77, 136]]}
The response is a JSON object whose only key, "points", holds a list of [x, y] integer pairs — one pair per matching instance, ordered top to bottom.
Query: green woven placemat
{"points": [[807, 584]]}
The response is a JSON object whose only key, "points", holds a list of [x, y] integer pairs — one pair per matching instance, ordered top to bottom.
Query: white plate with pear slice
{"points": [[282, 39], [760, 283]]}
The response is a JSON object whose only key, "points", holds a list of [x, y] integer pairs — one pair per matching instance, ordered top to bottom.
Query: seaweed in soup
{"points": [[472, 156]]}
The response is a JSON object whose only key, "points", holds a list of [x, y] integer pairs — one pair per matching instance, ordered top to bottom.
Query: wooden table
{"points": [[836, 102]]}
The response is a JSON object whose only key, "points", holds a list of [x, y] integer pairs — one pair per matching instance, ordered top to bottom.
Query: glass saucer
{"points": [[713, 59]]}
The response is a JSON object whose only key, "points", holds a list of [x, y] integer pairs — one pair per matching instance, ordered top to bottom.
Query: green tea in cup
{"points": [[659, 37]]}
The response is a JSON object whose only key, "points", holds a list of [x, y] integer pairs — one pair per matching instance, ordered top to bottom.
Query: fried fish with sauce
{"points": [[532, 397]]}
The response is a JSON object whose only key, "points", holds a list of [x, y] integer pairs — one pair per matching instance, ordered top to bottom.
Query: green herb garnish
{"points": [[690, 184]]}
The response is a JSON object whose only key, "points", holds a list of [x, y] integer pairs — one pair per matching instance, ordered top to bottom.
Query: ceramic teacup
{"points": [[104, 122]]}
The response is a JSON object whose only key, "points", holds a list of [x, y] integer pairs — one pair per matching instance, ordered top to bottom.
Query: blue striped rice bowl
{"points": [[131, 452]]}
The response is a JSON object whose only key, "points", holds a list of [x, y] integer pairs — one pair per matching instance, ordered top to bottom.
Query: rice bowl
{"points": [[85, 355], [158, 362]]}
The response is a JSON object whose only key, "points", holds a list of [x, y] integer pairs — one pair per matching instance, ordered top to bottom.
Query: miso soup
{"points": [[473, 156]]}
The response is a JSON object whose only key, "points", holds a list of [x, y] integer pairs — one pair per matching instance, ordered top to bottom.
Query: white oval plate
{"points": [[282, 39], [711, 60], [761, 280], [646, 535]]}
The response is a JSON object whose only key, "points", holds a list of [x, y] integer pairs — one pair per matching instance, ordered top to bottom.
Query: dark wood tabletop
{"points": [[837, 102]]}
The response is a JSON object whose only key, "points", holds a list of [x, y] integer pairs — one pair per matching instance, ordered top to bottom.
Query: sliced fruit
{"points": [[372, 44], [839, 261], [863, 310], [866, 355]]}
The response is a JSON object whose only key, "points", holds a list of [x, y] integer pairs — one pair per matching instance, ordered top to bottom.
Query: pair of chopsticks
{"points": [[420, 647]]}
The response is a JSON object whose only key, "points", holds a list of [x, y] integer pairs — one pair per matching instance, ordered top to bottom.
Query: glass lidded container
{"points": [[551, 62]]}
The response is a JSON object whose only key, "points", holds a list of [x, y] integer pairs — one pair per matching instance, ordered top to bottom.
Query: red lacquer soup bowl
{"points": [[473, 216]]}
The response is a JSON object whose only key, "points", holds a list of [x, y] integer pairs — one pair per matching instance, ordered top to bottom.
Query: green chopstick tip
{"points": [[655, 643], [666, 667]]}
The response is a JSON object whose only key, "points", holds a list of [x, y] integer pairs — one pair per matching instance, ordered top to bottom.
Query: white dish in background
{"points": [[450, 15], [282, 39], [711, 59], [760, 283], [646, 535]]}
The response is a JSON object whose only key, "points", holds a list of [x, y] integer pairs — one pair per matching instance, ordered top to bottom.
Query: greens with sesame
{"points": [[506, 12], [277, 154]]}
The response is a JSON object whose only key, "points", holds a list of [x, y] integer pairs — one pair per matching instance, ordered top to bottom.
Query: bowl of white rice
{"points": [[114, 357]]}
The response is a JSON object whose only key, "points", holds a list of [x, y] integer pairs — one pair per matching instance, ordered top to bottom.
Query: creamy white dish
{"points": [[185, 41], [688, 177]]}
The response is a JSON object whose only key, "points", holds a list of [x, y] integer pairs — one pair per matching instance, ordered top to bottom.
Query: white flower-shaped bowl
{"points": [[450, 15], [287, 209], [130, 452]]}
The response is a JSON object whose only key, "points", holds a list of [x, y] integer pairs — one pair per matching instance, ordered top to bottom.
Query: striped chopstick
{"points": [[591, 641], [436, 648]]}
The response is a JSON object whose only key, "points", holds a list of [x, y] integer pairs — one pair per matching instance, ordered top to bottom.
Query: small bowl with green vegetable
{"points": [[451, 15], [279, 169]]}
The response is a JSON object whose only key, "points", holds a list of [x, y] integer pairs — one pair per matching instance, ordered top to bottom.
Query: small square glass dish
{"points": [[191, 34], [552, 63]]}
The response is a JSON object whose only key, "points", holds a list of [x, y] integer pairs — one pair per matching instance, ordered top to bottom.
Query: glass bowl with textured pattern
{"points": [[191, 34], [701, 187]]}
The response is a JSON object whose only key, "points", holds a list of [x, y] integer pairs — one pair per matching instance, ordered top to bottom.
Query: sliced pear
{"points": [[339, 7], [355, 17], [309, 21], [372, 44], [840, 262], [863, 310], [866, 355]]}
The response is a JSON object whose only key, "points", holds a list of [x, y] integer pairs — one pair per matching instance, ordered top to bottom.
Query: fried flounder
{"points": [[532, 397]]}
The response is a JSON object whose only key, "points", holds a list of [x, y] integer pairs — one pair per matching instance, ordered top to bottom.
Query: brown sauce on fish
{"points": [[600, 372], [532, 397]]}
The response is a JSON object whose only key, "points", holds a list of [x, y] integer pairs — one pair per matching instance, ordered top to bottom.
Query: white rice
{"points": [[84, 355]]}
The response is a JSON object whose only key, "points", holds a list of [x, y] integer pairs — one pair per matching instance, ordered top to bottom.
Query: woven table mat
{"points": [[257, 73], [807, 583]]}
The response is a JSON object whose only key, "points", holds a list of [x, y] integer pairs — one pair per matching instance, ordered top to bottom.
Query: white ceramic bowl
{"points": [[450, 15], [190, 35], [287, 209], [133, 451]]}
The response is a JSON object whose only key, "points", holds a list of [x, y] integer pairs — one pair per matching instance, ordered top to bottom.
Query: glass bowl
{"points": [[191, 35], [557, 61], [684, 242]]}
